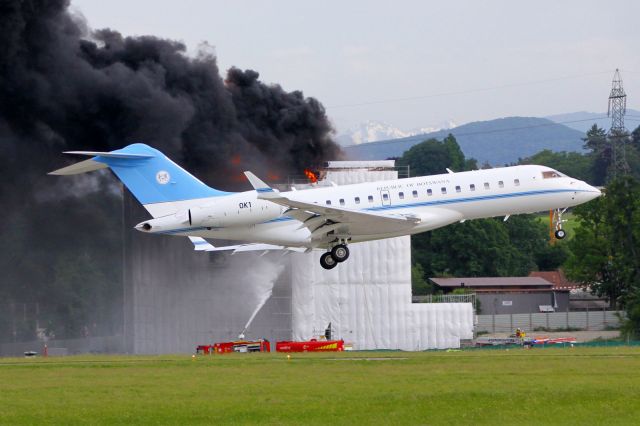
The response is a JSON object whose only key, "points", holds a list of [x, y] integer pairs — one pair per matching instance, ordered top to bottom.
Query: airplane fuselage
{"points": [[434, 201]]}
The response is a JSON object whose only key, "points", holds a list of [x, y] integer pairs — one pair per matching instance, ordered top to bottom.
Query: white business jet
{"points": [[327, 218]]}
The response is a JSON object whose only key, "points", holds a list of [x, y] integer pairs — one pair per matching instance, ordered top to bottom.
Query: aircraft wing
{"points": [[321, 219], [200, 244]]}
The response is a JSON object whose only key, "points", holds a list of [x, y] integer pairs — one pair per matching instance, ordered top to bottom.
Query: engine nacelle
{"points": [[240, 213], [205, 216], [165, 223]]}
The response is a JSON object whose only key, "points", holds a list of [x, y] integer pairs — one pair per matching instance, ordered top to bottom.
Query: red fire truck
{"points": [[242, 346]]}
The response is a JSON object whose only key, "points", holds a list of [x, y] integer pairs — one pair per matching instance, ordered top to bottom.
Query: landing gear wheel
{"points": [[560, 234], [340, 253], [327, 261]]}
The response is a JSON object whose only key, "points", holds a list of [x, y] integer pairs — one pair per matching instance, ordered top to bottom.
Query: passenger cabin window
{"points": [[551, 174], [516, 182], [500, 184], [486, 185], [472, 187], [458, 189], [443, 190], [429, 192], [415, 194], [401, 195], [385, 197], [370, 198], [357, 199], [342, 201], [328, 202]]}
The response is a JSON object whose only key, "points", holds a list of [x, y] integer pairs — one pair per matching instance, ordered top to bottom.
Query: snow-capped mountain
{"points": [[373, 131]]}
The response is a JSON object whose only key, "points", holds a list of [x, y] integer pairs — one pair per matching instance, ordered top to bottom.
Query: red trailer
{"points": [[311, 346]]}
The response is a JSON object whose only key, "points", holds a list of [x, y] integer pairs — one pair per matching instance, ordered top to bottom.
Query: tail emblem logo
{"points": [[162, 177]]}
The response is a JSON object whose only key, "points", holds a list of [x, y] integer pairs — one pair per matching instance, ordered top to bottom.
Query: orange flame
{"points": [[236, 160], [311, 176]]}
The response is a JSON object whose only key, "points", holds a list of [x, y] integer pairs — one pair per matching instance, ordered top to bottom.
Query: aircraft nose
{"points": [[591, 192]]}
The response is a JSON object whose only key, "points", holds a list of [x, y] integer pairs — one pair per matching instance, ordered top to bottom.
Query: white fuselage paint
{"points": [[438, 200]]}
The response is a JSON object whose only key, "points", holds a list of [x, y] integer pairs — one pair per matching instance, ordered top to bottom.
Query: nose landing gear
{"points": [[556, 223], [338, 254]]}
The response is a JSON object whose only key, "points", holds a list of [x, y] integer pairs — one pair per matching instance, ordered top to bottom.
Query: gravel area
{"points": [[581, 336]]}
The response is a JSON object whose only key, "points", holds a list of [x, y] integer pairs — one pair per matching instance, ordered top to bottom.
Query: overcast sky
{"points": [[465, 61]]}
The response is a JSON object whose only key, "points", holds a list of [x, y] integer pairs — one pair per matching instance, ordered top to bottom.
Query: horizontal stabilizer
{"points": [[92, 164], [81, 167], [200, 244]]}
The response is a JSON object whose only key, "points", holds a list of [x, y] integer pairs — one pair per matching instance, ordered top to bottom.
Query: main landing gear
{"points": [[556, 223], [338, 254]]}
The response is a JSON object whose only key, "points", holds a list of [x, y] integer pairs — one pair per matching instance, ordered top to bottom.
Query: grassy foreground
{"points": [[561, 386]]}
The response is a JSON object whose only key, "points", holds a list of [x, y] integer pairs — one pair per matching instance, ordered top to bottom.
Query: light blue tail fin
{"points": [[150, 176]]}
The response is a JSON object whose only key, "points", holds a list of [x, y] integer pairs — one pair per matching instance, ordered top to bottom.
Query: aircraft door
{"points": [[385, 197]]}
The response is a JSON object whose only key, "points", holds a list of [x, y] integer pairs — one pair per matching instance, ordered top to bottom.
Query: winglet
{"points": [[257, 183]]}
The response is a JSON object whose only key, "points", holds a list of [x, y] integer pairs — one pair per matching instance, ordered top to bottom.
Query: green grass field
{"points": [[518, 386]]}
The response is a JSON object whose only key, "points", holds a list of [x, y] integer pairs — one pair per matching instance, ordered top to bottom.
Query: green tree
{"points": [[596, 141], [434, 157], [456, 157], [426, 158], [574, 164], [485, 247], [606, 247], [552, 257], [419, 284]]}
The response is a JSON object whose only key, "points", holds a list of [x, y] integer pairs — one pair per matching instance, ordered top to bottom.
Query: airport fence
{"points": [[549, 321], [613, 343]]}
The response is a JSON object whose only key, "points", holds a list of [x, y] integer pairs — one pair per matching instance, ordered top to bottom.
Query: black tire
{"points": [[560, 234], [340, 252], [327, 261]]}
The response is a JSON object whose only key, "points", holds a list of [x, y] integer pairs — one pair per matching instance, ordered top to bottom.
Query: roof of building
{"points": [[360, 164], [559, 280], [492, 282]]}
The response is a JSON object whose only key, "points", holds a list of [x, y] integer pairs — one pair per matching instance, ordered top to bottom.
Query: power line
{"points": [[462, 92]]}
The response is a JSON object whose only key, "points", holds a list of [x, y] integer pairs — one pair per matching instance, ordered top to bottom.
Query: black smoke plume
{"points": [[66, 87]]}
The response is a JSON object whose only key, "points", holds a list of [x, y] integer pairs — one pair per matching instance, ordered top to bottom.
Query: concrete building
{"points": [[510, 295], [580, 299]]}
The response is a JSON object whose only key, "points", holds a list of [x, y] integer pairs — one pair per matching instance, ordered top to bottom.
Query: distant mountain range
{"points": [[583, 120], [373, 131], [497, 142]]}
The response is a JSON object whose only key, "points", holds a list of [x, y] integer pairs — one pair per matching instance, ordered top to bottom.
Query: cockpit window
{"points": [[551, 174]]}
